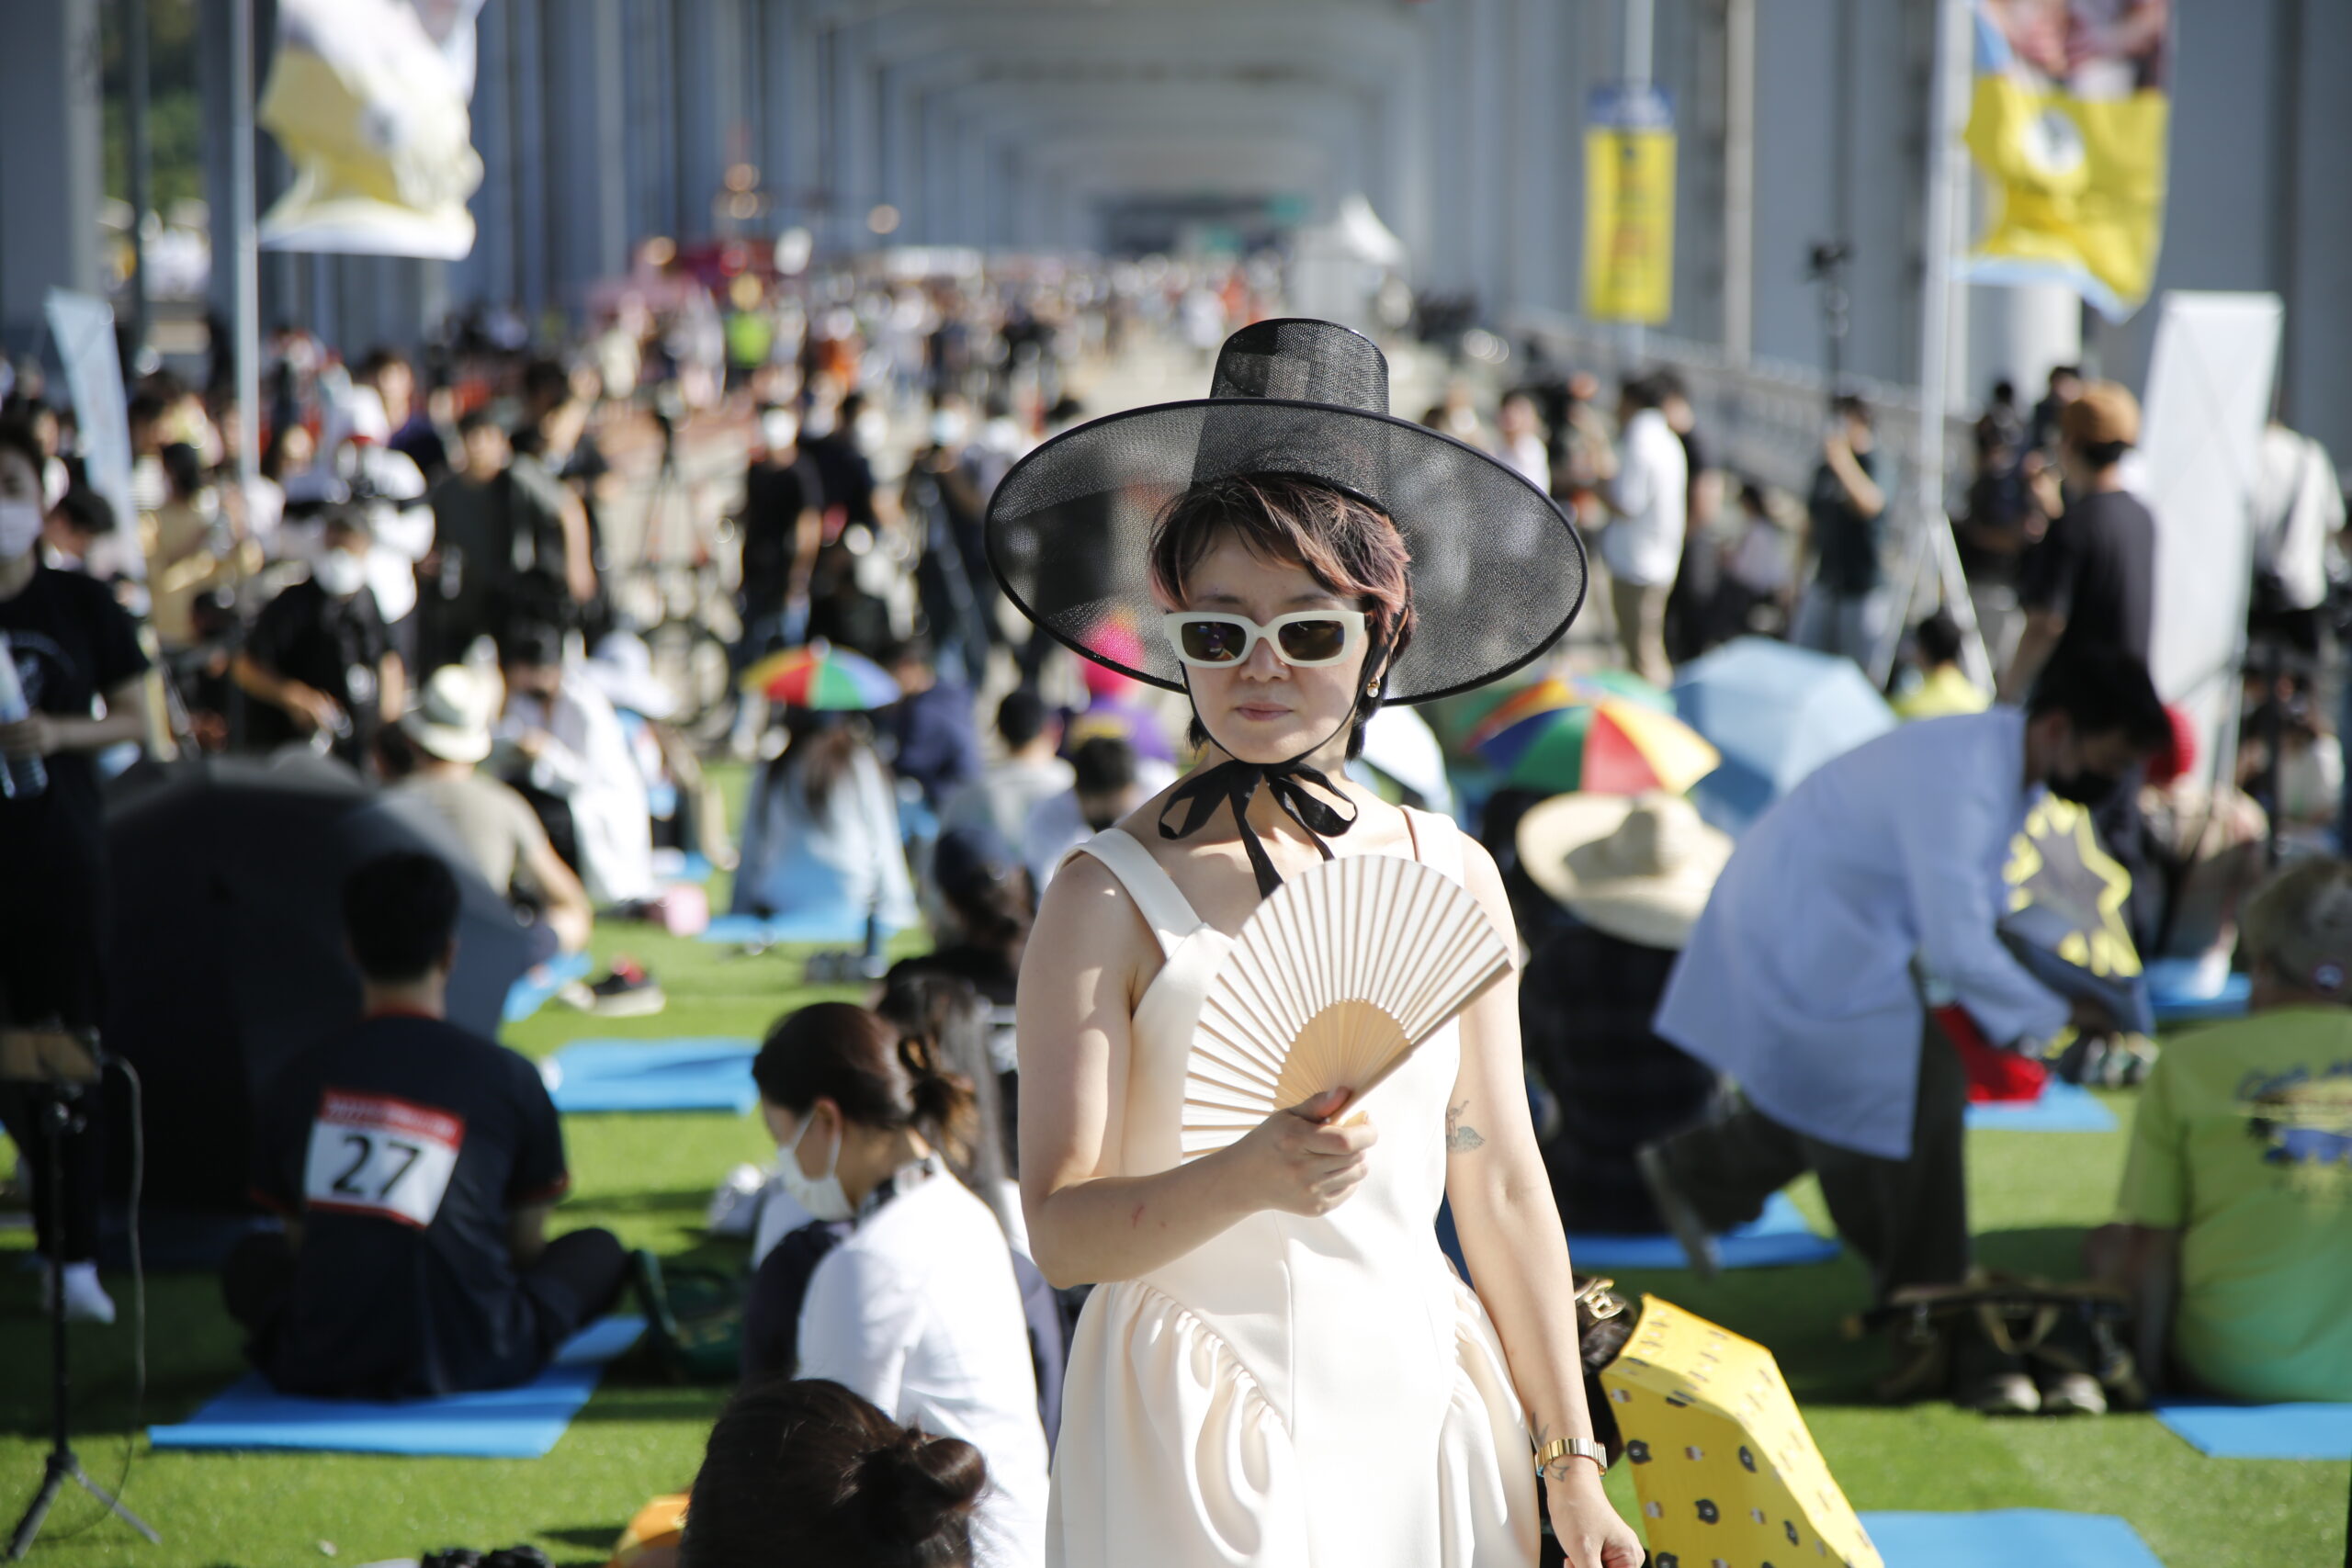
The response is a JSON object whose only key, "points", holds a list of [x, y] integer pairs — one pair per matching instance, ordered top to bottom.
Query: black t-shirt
{"points": [[845, 475], [774, 495], [1846, 541], [2096, 566], [72, 644], [334, 645], [404, 1145]]}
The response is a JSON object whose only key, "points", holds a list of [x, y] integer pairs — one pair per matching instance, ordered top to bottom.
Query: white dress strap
{"points": [[1437, 842], [1163, 906]]}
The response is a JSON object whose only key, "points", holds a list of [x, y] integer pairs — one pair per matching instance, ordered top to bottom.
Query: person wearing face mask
{"points": [[69, 646], [320, 662], [1803, 977], [916, 1307]]}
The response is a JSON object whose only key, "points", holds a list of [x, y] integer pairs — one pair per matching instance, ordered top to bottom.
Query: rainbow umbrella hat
{"points": [[820, 676], [1609, 734]]}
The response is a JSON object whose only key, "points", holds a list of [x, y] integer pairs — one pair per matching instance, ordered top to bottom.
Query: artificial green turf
{"points": [[648, 1178]]}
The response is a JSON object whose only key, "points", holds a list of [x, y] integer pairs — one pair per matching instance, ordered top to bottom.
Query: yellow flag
{"points": [[2068, 122], [1629, 207]]}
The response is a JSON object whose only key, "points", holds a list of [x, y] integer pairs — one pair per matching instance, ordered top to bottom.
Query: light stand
{"points": [[1827, 264], [58, 1082]]}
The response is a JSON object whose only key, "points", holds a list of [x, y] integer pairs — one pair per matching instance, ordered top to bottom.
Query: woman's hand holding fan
{"points": [[1329, 986], [1303, 1162]]}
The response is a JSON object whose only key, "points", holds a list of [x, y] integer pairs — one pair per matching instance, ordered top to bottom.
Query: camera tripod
{"points": [[61, 1116]]}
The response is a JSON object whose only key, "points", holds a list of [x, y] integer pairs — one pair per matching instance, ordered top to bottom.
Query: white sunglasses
{"points": [[1308, 640]]}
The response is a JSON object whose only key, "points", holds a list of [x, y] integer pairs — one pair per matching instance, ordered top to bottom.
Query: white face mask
{"points": [[19, 528], [339, 573], [821, 1195]]}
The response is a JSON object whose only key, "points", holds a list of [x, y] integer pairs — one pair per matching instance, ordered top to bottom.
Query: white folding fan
{"points": [[1331, 983]]}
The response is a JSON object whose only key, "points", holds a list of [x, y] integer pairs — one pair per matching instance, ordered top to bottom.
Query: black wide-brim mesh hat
{"points": [[1498, 571]]}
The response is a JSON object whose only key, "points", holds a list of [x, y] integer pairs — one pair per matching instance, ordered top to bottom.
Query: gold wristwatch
{"points": [[1559, 1448]]}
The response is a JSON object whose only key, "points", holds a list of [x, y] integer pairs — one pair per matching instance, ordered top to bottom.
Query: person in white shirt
{"points": [[1520, 443], [355, 463], [1643, 546], [572, 747], [1108, 780], [1008, 790], [1803, 977], [916, 1308]]}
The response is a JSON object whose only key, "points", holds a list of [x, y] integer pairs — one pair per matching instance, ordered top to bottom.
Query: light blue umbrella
{"points": [[1776, 713]]}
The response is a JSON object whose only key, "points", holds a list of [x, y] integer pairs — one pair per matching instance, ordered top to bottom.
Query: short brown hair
{"points": [[1348, 545]]}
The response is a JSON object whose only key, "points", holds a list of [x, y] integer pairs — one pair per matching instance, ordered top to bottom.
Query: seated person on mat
{"points": [[1631, 874], [415, 1164], [2236, 1207], [810, 1472]]}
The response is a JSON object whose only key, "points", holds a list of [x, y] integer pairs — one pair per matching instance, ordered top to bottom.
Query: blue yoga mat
{"points": [[835, 926], [530, 994], [2178, 1001], [653, 1074], [2062, 1107], [1776, 1237], [506, 1423], [2261, 1431], [2042, 1538]]}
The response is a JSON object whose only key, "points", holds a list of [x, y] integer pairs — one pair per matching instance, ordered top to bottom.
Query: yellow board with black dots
{"points": [[1726, 1472]]}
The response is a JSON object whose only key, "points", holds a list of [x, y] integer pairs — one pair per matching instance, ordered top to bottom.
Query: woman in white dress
{"points": [[1278, 1366]]}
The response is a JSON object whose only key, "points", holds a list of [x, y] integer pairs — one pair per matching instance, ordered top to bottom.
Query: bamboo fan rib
{"points": [[1331, 983]]}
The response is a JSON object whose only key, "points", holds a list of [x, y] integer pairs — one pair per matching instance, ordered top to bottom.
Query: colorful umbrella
{"points": [[823, 677], [1513, 724], [1615, 746]]}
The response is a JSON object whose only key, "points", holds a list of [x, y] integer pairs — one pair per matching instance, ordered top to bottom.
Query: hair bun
{"points": [[909, 1490]]}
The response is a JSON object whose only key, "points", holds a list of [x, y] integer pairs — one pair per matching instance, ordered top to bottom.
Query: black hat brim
{"points": [[1498, 570]]}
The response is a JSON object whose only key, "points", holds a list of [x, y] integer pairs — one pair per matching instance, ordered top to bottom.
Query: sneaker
{"points": [[628, 991], [1698, 1241], [85, 1300], [2000, 1393], [2070, 1394]]}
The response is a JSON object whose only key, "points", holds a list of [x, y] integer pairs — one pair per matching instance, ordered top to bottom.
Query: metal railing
{"points": [[1766, 417]]}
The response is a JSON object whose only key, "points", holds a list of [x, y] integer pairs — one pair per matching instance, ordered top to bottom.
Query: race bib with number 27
{"points": [[373, 1155]]}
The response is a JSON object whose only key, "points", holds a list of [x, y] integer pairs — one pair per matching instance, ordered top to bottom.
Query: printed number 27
{"points": [[344, 1184]]}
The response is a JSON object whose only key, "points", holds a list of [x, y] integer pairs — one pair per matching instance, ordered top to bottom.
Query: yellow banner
{"points": [[2068, 122], [1629, 224]]}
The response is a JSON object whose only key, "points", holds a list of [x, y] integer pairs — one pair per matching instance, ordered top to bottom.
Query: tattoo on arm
{"points": [[1459, 1139], [1560, 1469]]}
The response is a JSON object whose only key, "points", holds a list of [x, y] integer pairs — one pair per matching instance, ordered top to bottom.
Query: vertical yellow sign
{"points": [[1629, 208]]}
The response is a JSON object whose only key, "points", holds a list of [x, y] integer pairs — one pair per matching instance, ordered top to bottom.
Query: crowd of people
{"points": [[952, 1292]]}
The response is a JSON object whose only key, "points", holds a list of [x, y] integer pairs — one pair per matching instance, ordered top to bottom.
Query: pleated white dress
{"points": [[1297, 1392]]}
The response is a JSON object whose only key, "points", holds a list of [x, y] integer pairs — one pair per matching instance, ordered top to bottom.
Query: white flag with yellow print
{"points": [[368, 99]]}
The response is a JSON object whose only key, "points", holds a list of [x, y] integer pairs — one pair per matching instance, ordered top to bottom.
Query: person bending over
{"points": [[1802, 978], [415, 1164], [2235, 1216], [808, 1472]]}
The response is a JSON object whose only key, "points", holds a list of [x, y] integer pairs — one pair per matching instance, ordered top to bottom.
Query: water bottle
{"points": [[21, 778]]}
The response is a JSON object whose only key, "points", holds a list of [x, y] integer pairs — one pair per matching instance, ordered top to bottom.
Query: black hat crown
{"points": [[1295, 359], [1303, 361]]}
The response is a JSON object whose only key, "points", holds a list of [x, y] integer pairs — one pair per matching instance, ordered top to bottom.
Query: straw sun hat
{"points": [[452, 716], [1638, 867]]}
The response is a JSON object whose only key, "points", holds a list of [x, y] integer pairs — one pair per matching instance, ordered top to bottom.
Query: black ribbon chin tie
{"points": [[1236, 783]]}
